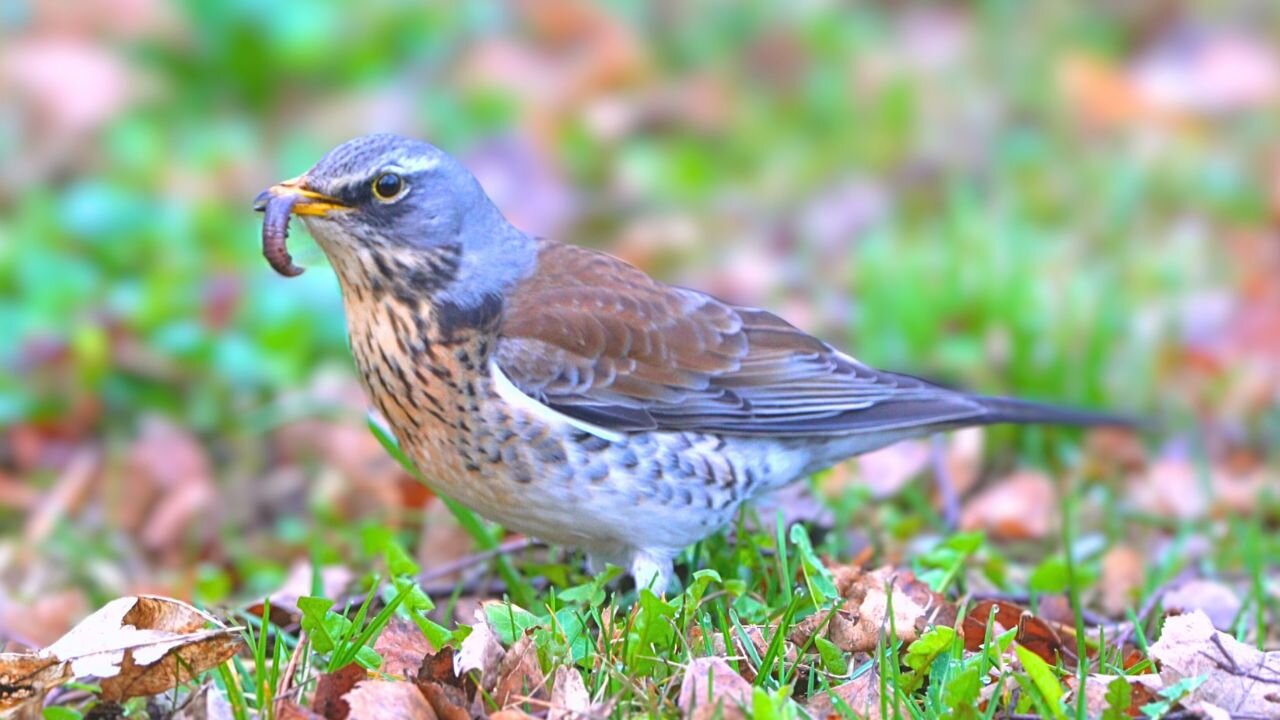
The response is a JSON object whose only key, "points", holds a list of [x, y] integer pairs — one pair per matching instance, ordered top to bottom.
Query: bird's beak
{"points": [[305, 200]]}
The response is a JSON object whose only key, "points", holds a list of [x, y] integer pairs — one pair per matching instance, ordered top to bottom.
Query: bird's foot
{"points": [[654, 572]]}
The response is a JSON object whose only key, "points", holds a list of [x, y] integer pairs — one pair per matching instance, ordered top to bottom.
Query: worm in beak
{"points": [[277, 209]]}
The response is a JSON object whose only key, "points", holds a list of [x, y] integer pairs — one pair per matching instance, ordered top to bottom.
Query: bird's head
{"points": [[391, 199]]}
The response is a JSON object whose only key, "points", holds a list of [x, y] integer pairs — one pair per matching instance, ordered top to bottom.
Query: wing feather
{"points": [[596, 339]]}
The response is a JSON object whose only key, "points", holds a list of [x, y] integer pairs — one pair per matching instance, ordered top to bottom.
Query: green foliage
{"points": [[940, 567], [821, 585], [1041, 683], [1171, 694], [1119, 699]]}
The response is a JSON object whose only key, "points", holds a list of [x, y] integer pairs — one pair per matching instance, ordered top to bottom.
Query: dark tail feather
{"points": [[1008, 410]]}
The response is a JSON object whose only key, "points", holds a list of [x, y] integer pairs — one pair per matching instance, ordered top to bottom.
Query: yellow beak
{"points": [[307, 202]]}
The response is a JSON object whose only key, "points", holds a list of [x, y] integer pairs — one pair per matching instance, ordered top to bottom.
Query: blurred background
{"points": [[1075, 202]]}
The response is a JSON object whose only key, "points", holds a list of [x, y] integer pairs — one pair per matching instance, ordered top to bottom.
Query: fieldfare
{"points": [[566, 394]]}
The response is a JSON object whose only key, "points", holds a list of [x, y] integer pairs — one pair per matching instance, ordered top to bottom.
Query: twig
{"points": [[944, 482], [462, 563], [479, 586], [1143, 613], [291, 668]]}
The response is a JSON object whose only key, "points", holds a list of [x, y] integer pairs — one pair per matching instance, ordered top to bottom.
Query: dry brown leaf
{"points": [[1113, 451], [963, 459], [886, 471], [170, 485], [1171, 487], [66, 494], [1020, 507], [442, 541], [1123, 569], [334, 581], [1214, 599], [48, 617], [857, 625], [1038, 636], [144, 645], [403, 647], [481, 650], [519, 675], [25, 678], [1239, 678], [332, 688], [711, 688], [1144, 689], [448, 694], [861, 694], [569, 696], [377, 699], [290, 710], [511, 714]]}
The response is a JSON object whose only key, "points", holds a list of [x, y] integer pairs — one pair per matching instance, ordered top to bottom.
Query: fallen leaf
{"points": [[74, 84], [1113, 451], [963, 458], [886, 471], [170, 486], [1171, 487], [64, 497], [1022, 506], [442, 540], [1123, 570], [334, 581], [1214, 599], [48, 617], [859, 622], [1040, 637], [760, 642], [144, 645], [403, 648], [481, 650], [519, 675], [1237, 677], [25, 678], [332, 688], [711, 689], [1142, 690], [448, 694], [861, 695], [569, 697], [376, 699], [290, 710], [511, 714]]}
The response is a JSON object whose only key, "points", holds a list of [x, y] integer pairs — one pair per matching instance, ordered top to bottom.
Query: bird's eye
{"points": [[388, 186]]}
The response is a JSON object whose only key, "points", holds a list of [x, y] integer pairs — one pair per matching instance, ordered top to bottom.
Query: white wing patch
{"points": [[516, 398]]}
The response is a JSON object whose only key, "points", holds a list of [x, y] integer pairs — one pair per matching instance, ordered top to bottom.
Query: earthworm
{"points": [[275, 232]]}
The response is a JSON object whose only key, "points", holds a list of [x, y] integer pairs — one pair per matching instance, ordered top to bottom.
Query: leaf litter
{"points": [[133, 646]]}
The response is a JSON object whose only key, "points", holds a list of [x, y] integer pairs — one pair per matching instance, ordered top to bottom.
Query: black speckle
{"points": [[452, 319], [591, 443], [551, 452], [628, 459]]}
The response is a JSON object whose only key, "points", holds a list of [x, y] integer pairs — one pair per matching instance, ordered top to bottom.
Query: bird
{"points": [[566, 394]]}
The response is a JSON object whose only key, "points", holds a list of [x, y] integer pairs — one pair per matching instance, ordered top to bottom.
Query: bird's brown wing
{"points": [[596, 339]]}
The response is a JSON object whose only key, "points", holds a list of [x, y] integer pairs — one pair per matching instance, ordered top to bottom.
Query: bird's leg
{"points": [[653, 571]]}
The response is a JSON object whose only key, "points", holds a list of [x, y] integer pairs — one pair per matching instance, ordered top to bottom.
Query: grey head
{"points": [[388, 204]]}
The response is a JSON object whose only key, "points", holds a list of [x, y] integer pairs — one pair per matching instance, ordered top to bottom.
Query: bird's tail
{"points": [[1009, 410]]}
